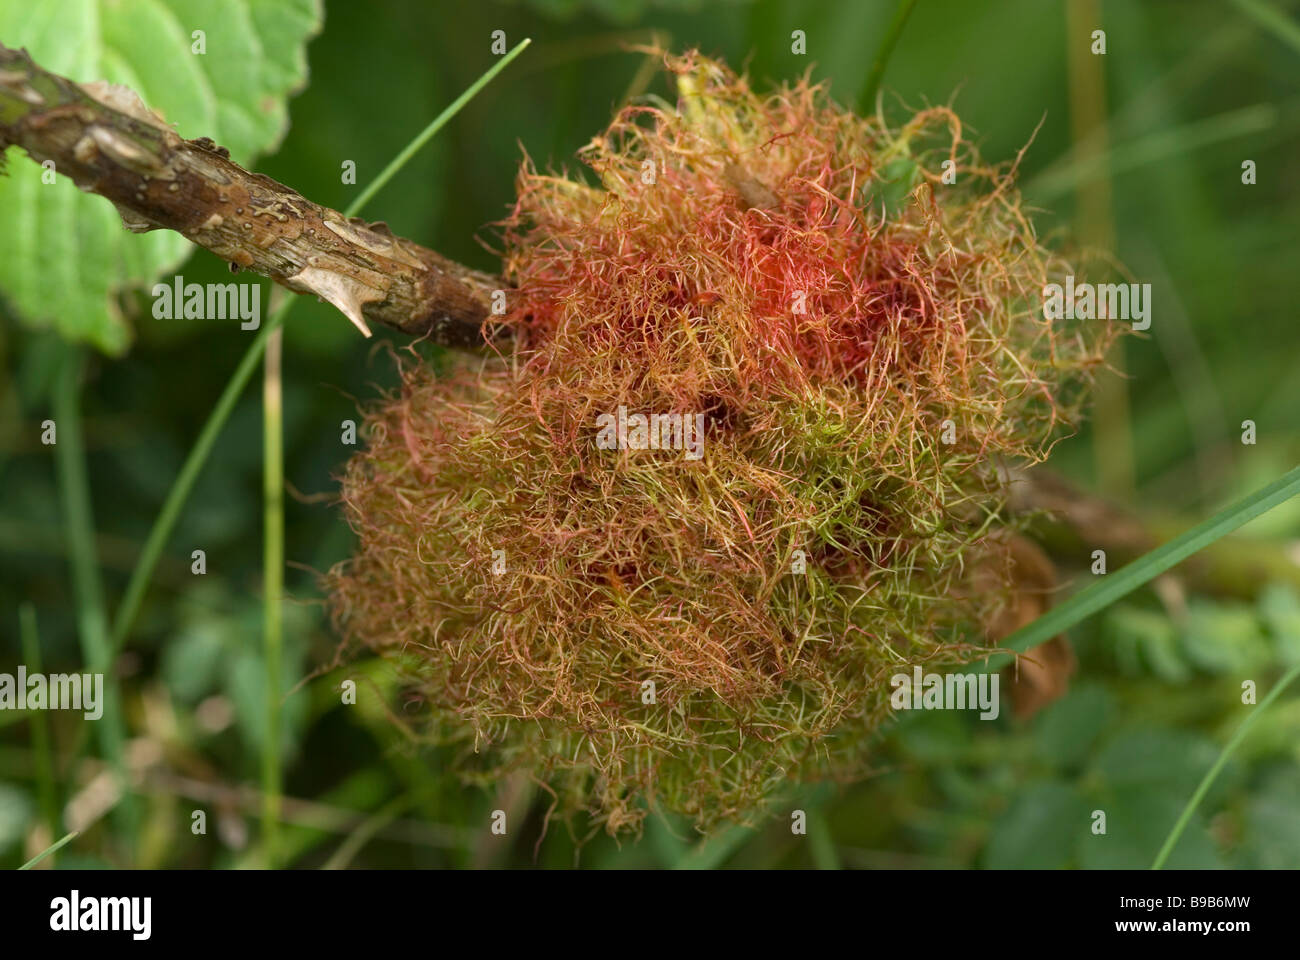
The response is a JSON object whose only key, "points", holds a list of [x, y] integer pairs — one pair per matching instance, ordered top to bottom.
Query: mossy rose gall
{"points": [[859, 326]]}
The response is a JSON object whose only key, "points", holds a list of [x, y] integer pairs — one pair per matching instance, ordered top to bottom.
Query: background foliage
{"points": [[1192, 89]]}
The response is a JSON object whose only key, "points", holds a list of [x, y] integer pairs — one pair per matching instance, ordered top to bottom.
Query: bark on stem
{"points": [[109, 143]]}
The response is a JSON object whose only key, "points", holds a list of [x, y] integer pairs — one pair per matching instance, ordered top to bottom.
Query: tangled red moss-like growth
{"points": [[864, 344]]}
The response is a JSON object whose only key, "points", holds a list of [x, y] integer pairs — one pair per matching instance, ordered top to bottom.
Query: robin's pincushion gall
{"points": [[856, 313]]}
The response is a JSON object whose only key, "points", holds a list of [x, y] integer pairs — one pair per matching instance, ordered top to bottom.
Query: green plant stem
{"points": [[867, 99], [425, 135], [1094, 216], [165, 522], [1122, 582], [273, 587], [88, 593], [45, 786], [1172, 840], [48, 850]]}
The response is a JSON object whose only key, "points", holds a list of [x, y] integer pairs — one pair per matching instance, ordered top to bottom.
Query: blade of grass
{"points": [[1273, 20], [1175, 85], [867, 99], [425, 135], [1060, 179], [180, 492], [165, 522], [1124, 581], [272, 588], [88, 591], [45, 787], [365, 832], [1172, 840], [48, 850]]}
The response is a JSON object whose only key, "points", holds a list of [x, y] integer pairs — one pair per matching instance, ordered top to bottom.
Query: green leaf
{"points": [[890, 194], [64, 254], [1279, 607], [1132, 629], [1223, 637], [190, 664], [245, 679], [246, 687], [1068, 728], [931, 736], [1156, 758], [1143, 777], [16, 812], [1137, 818], [1040, 830], [1272, 834]]}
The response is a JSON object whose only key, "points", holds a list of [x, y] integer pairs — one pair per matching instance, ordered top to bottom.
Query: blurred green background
{"points": [[1189, 89]]}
